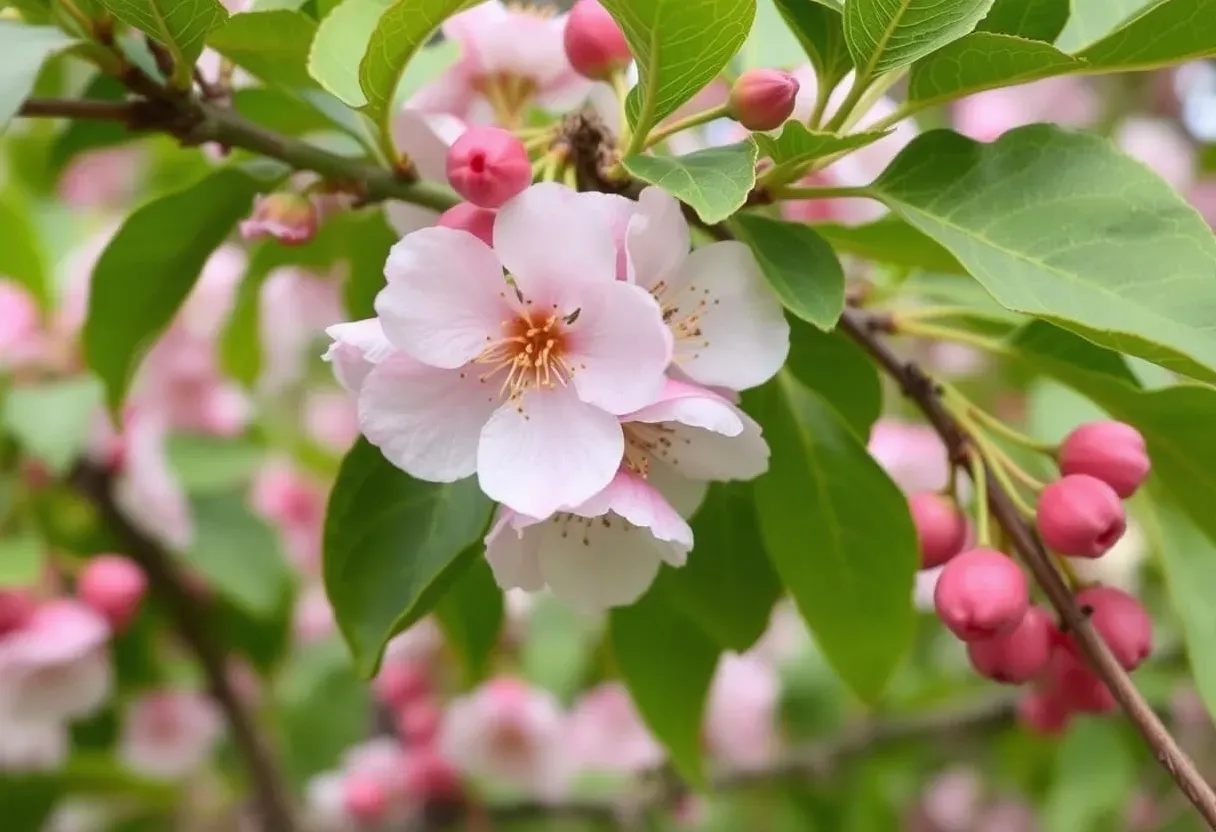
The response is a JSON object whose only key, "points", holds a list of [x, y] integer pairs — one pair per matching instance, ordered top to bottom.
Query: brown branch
{"points": [[123, 111], [866, 331], [190, 618]]}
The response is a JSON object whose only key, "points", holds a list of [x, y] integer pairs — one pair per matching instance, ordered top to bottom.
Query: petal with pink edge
{"points": [[549, 236], [658, 238], [446, 297], [730, 330], [357, 347], [691, 405], [426, 420], [547, 451], [701, 454], [637, 501], [511, 553]]}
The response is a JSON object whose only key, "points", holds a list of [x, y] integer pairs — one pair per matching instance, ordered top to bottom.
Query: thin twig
{"points": [[123, 111], [190, 618]]}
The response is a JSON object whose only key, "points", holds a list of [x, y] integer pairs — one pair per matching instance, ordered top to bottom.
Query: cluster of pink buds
{"points": [[983, 596]]}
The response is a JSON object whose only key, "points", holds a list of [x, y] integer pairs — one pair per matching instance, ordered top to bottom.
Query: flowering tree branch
{"points": [[190, 618]]}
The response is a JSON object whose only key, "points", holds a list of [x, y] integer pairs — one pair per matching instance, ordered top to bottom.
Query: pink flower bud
{"points": [[595, 45], [762, 99], [488, 165], [286, 217], [477, 221], [1109, 451], [1081, 516], [941, 529], [112, 586], [981, 594], [16, 609], [1122, 622], [1017, 656], [401, 682], [1078, 687], [1043, 712], [418, 722], [427, 777], [364, 799]]}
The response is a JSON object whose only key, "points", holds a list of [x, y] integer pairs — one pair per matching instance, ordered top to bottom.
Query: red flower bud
{"points": [[595, 45], [762, 99], [488, 165], [466, 217], [289, 218], [1109, 451], [1081, 516], [941, 529], [112, 586], [981, 594], [16, 608], [1122, 622], [1017, 656], [400, 682], [1078, 687], [1044, 712], [418, 722], [364, 799]]}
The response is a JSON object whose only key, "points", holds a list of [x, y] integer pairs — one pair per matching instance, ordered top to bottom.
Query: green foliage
{"points": [[1034, 19], [1091, 20], [181, 26], [819, 27], [1169, 32], [883, 35], [272, 45], [25, 48], [338, 48], [797, 145], [715, 182], [890, 240], [21, 254], [799, 265], [840, 372], [53, 421], [393, 546], [238, 554], [22, 559], [471, 614], [1094, 774]]}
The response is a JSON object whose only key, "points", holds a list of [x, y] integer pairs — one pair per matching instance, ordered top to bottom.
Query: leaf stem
{"points": [[860, 84], [686, 123], [934, 313], [943, 333], [975, 412], [979, 476]]}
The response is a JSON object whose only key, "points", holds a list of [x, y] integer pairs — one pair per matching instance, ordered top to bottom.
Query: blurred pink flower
{"points": [[1066, 100], [1162, 146], [103, 179], [296, 307], [22, 339], [331, 419], [912, 454], [146, 488], [294, 503], [313, 618], [741, 714], [607, 733], [169, 734], [31, 744]]}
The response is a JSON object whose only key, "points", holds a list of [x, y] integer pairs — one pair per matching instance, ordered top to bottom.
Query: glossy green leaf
{"points": [[1034, 19], [1091, 20], [181, 26], [819, 27], [401, 31], [1169, 32], [886, 34], [272, 45], [339, 46], [680, 46], [24, 47], [982, 61], [280, 110], [796, 145], [715, 181], [1063, 226], [890, 240], [22, 257], [151, 265], [799, 265], [832, 365], [53, 420], [211, 465], [819, 507], [393, 546], [237, 553], [23, 559], [729, 588], [470, 614], [558, 645], [667, 663], [1094, 773]]}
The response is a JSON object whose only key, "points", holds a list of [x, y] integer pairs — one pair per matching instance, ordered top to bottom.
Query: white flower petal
{"points": [[658, 237], [357, 347], [511, 554]]}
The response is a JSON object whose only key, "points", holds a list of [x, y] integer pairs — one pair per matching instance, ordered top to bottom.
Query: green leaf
{"points": [[1035, 19], [1091, 20], [180, 25], [819, 27], [401, 31], [1169, 32], [886, 34], [771, 43], [272, 45], [339, 46], [680, 46], [24, 47], [983, 61], [426, 65], [281, 111], [82, 135], [796, 145], [715, 181], [1063, 226], [370, 237], [890, 240], [22, 257], [151, 265], [799, 265], [240, 343], [840, 372], [53, 420], [211, 465], [838, 531], [393, 545], [238, 554], [22, 559], [728, 589], [470, 615], [557, 647], [667, 663], [1094, 773]]}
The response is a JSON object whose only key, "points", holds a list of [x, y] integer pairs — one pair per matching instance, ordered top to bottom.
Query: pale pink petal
{"points": [[450, 93], [564, 93], [425, 138], [1161, 145], [618, 211], [406, 217], [549, 235], [658, 238], [445, 298], [729, 327], [618, 345], [357, 347], [691, 405], [425, 420], [547, 451], [703, 453], [147, 490], [685, 495], [631, 497], [512, 555], [740, 716], [607, 733], [169, 734], [31, 745]]}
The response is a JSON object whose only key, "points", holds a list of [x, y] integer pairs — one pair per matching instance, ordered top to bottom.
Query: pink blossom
{"points": [[512, 57], [1066, 100], [424, 138], [1162, 146], [103, 179], [286, 217], [296, 307], [21, 336], [357, 347], [518, 383], [331, 420], [912, 454], [146, 488], [295, 504], [313, 619], [420, 644], [56, 667], [740, 717], [508, 733], [607, 733], [169, 734], [32, 744]]}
